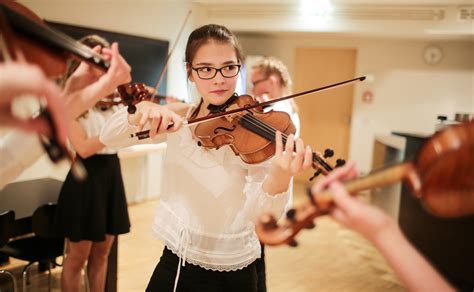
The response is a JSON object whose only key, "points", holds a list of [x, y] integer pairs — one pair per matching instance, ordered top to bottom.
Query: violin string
{"points": [[76, 46], [264, 127], [272, 131]]}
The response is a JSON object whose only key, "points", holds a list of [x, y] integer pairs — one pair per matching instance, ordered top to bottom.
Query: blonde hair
{"points": [[72, 64], [272, 66]]}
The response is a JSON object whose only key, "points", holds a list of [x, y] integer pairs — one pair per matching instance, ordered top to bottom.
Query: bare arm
{"points": [[85, 87], [81, 100], [83, 145], [409, 265]]}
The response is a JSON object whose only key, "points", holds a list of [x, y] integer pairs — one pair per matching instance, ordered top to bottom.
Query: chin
{"points": [[218, 99]]}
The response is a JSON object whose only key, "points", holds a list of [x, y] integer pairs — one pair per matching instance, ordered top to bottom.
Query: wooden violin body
{"points": [[27, 35], [50, 49], [251, 133], [252, 147], [445, 167], [442, 176]]}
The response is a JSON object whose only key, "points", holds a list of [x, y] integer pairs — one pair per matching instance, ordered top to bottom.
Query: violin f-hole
{"points": [[216, 130]]}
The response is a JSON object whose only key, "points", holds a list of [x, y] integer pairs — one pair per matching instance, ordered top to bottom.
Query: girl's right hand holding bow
{"points": [[159, 118]]}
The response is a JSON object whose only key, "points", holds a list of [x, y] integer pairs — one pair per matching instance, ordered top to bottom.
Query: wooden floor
{"points": [[328, 258]]}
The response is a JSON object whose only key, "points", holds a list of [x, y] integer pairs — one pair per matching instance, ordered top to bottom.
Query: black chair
{"points": [[7, 220], [42, 247]]}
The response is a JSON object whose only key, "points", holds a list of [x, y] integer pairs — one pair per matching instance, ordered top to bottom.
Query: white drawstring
{"points": [[182, 249]]}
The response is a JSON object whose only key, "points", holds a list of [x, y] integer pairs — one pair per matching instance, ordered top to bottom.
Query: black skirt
{"points": [[91, 209], [194, 278]]}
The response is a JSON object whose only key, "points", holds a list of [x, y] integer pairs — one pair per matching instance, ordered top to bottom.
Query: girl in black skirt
{"points": [[92, 212]]}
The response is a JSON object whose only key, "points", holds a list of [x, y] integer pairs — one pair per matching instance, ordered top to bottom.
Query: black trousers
{"points": [[196, 279]]}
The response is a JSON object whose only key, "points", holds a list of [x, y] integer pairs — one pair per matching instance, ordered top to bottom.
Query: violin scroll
{"points": [[132, 94], [297, 219]]}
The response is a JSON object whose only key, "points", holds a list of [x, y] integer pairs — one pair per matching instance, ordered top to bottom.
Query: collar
{"points": [[221, 108]]}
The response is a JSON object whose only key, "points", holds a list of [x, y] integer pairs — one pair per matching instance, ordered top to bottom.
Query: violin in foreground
{"points": [[441, 176]]}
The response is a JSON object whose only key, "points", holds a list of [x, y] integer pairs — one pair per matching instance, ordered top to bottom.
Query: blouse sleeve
{"points": [[117, 132], [260, 201]]}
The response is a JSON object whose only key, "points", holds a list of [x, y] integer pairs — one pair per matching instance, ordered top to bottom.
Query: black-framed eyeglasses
{"points": [[227, 71]]}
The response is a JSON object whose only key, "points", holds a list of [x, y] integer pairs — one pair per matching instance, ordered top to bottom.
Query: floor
{"points": [[328, 258]]}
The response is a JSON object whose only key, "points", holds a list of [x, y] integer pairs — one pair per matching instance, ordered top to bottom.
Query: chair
{"points": [[7, 220], [43, 246]]}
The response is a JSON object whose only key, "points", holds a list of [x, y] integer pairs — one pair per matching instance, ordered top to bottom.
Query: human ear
{"points": [[189, 72]]}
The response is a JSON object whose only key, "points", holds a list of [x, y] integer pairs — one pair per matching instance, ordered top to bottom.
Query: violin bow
{"points": [[165, 68], [145, 134]]}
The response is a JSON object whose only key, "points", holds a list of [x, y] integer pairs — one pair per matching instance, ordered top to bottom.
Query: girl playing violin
{"points": [[92, 212], [207, 221]]}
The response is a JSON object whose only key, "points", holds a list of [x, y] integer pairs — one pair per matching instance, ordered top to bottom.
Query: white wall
{"points": [[408, 94]]}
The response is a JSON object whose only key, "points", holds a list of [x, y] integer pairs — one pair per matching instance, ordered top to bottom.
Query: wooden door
{"points": [[325, 116]]}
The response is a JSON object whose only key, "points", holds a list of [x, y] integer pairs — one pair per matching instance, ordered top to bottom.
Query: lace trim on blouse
{"points": [[229, 252]]}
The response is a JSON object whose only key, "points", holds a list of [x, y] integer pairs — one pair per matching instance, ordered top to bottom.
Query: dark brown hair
{"points": [[203, 35]]}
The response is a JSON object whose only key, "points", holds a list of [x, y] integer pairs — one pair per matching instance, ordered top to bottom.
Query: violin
{"points": [[16, 46], [50, 49], [138, 91], [251, 133], [441, 176]]}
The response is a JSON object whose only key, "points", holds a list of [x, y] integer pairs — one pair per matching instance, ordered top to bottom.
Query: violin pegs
{"points": [[131, 109], [328, 152], [340, 162], [318, 172], [291, 214], [268, 222], [310, 226], [293, 243]]}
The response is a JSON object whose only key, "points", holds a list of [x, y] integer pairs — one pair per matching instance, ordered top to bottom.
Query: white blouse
{"points": [[92, 123], [210, 199]]}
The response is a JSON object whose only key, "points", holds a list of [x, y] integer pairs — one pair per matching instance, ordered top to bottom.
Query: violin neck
{"points": [[52, 37], [377, 179]]}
